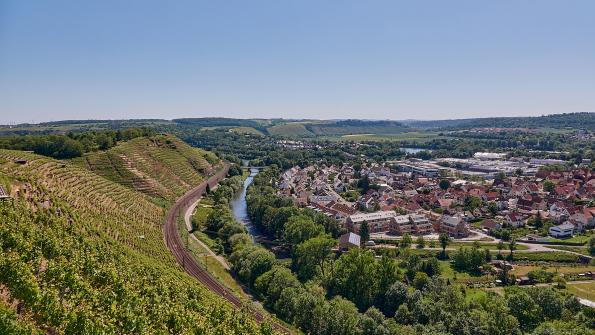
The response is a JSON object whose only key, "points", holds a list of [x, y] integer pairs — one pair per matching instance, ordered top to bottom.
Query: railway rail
{"points": [[174, 243]]}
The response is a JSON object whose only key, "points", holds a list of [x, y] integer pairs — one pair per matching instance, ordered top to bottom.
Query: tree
{"points": [[234, 170], [444, 184], [548, 186], [208, 189], [472, 202], [493, 207], [538, 221], [299, 229], [364, 232], [406, 241], [444, 241], [421, 243], [500, 246], [592, 246], [512, 247], [312, 256], [249, 263], [431, 267], [387, 273], [355, 277], [420, 281], [271, 284], [395, 296], [549, 300], [524, 309], [403, 315], [337, 317], [501, 322], [373, 323]]}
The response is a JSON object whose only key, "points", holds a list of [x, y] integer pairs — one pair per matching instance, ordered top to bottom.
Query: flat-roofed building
{"points": [[377, 221], [414, 224]]}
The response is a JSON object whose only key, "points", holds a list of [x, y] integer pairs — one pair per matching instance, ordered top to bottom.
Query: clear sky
{"points": [[295, 59]]}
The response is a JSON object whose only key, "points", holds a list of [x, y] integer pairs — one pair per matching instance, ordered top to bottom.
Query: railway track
{"points": [[174, 243]]}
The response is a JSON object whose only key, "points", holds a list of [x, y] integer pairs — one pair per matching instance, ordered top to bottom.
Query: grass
{"points": [[289, 129], [247, 130], [201, 212], [575, 239], [483, 245], [580, 250], [546, 256], [523, 270], [460, 277], [582, 290]]}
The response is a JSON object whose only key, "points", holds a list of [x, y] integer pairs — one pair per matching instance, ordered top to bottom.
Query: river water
{"points": [[240, 208]]}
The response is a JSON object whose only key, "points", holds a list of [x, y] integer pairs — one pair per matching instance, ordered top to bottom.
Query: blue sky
{"points": [[294, 59]]}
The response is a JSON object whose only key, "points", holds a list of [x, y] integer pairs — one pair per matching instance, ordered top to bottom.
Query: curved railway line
{"points": [[174, 243]]}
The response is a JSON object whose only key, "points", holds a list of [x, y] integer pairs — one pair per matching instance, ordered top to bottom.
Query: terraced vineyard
{"points": [[160, 166], [80, 253]]}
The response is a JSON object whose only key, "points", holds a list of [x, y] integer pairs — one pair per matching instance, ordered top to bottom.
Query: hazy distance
{"points": [[294, 59]]}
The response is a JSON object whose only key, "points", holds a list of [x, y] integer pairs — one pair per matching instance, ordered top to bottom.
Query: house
{"points": [[366, 202], [558, 212], [590, 216], [515, 220], [490, 225], [454, 226], [562, 231], [349, 241]]}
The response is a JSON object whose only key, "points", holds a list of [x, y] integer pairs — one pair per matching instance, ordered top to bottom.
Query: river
{"points": [[240, 208]]}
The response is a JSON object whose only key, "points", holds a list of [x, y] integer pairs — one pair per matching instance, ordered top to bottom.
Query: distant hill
{"points": [[569, 120], [219, 122], [347, 127], [159, 166], [82, 254]]}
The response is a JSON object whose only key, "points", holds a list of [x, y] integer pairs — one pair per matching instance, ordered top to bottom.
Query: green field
{"points": [[289, 129], [247, 130], [419, 136], [575, 239], [523, 270], [582, 290]]}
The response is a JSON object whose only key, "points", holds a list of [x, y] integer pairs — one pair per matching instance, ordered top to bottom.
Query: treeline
{"points": [[570, 120], [356, 127], [73, 144]]}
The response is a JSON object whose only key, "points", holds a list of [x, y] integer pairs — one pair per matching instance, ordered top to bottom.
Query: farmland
{"points": [[159, 166], [107, 237]]}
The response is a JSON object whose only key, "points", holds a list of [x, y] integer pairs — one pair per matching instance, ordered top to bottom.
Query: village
{"points": [[414, 197]]}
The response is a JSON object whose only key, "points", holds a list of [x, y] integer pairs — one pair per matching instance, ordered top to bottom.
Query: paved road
{"points": [[175, 245]]}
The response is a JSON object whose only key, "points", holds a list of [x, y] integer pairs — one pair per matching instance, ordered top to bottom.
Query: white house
{"points": [[515, 220], [562, 231]]}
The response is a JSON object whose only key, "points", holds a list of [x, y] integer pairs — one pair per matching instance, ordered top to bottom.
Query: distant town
{"points": [[459, 197]]}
